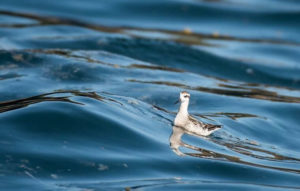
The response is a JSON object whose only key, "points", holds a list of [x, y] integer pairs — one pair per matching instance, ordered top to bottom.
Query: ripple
{"points": [[180, 36], [249, 93], [239, 147]]}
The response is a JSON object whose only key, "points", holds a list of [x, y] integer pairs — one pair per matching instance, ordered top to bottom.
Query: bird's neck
{"points": [[183, 109]]}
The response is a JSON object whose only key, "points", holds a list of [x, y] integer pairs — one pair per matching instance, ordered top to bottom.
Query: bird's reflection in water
{"points": [[175, 140], [176, 143], [242, 150]]}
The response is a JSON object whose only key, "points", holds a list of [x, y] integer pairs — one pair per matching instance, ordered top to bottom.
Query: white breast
{"points": [[180, 120]]}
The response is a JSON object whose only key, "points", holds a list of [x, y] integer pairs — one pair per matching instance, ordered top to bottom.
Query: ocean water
{"points": [[87, 92]]}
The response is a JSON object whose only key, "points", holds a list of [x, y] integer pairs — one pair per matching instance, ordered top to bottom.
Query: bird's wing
{"points": [[195, 121], [207, 126], [211, 127]]}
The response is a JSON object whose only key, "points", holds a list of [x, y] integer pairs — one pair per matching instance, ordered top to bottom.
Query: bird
{"points": [[184, 120]]}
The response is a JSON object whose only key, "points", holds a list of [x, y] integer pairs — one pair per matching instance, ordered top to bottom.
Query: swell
{"points": [[150, 49], [102, 125]]}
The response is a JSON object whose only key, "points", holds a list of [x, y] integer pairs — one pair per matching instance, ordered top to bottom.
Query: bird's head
{"points": [[184, 97]]}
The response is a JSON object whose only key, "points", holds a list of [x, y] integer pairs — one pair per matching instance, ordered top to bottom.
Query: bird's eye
{"points": [[186, 96]]}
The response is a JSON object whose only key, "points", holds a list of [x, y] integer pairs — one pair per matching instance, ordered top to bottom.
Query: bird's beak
{"points": [[176, 101]]}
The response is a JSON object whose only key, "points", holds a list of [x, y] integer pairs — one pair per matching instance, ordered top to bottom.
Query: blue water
{"points": [[87, 92]]}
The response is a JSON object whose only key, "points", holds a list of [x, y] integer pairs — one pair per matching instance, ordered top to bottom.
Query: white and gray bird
{"points": [[187, 122]]}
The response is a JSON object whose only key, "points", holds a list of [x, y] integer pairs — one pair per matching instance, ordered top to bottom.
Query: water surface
{"points": [[87, 92]]}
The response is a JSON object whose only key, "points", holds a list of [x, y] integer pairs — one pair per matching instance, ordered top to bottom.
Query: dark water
{"points": [[87, 91]]}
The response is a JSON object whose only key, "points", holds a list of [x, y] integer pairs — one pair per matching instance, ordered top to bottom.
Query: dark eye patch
{"points": [[186, 96]]}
